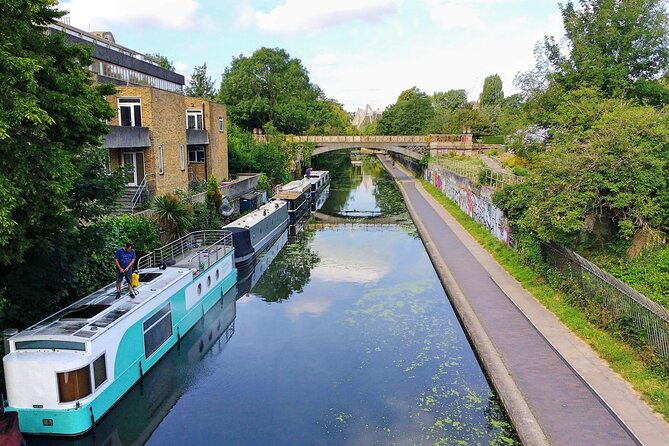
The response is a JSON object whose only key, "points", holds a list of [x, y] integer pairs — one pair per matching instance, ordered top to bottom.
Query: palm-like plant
{"points": [[173, 216]]}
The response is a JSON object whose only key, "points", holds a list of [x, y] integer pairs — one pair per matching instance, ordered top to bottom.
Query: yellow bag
{"points": [[135, 280]]}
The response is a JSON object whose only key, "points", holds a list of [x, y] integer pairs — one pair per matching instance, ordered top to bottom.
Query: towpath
{"points": [[556, 389]]}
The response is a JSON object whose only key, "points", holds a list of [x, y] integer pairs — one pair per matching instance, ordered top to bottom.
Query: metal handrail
{"points": [[138, 193], [208, 243]]}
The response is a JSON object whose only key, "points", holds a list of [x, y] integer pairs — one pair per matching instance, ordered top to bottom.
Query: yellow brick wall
{"points": [[164, 113], [169, 129], [218, 142], [217, 151]]}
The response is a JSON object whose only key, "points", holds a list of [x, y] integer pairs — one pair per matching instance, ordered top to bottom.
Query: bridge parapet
{"points": [[415, 146]]}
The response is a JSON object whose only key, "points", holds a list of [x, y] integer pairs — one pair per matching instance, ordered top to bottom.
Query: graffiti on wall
{"points": [[473, 202]]}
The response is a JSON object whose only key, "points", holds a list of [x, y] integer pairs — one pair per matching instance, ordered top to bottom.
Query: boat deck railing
{"points": [[199, 249]]}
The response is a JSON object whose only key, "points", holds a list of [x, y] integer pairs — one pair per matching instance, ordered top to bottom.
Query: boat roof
{"points": [[316, 175], [294, 189], [258, 215], [97, 312]]}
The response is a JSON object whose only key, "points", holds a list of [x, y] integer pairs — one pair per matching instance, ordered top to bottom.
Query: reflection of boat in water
{"points": [[320, 188], [298, 195], [254, 232], [249, 276], [64, 373], [140, 412]]}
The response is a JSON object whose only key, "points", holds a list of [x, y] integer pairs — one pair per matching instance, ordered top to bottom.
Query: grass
{"points": [[648, 381]]}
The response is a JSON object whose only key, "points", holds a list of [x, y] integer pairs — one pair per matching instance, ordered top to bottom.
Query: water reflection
{"points": [[363, 191], [290, 271]]}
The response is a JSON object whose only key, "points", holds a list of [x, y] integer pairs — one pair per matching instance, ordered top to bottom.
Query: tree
{"points": [[616, 46], [164, 61], [200, 84], [270, 86], [492, 94], [451, 100], [410, 115], [330, 118], [51, 119], [247, 155], [609, 170], [172, 215]]}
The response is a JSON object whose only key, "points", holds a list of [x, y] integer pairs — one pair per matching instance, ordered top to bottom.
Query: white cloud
{"points": [[461, 14], [96, 15], [296, 16], [325, 59], [442, 61], [184, 69], [311, 305]]}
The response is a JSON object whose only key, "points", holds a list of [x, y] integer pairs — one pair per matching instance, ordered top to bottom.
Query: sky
{"points": [[358, 51]]}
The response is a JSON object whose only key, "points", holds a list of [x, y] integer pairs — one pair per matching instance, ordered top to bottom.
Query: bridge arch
{"points": [[411, 152]]}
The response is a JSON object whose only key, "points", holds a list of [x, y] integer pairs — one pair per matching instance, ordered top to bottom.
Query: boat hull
{"points": [[130, 362]]}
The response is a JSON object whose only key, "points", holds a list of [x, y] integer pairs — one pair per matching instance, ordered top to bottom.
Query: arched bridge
{"points": [[413, 146]]}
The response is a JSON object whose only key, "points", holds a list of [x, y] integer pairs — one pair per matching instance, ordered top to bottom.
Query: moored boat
{"points": [[320, 188], [298, 196], [254, 232], [64, 373]]}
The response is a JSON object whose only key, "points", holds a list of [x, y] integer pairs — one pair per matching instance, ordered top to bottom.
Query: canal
{"points": [[347, 338]]}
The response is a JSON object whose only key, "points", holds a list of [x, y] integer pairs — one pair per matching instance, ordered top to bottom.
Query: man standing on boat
{"points": [[124, 259]]}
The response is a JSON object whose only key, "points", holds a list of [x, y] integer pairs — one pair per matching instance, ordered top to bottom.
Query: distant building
{"points": [[366, 116], [162, 137]]}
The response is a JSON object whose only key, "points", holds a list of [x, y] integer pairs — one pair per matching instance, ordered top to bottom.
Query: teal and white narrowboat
{"points": [[64, 373]]}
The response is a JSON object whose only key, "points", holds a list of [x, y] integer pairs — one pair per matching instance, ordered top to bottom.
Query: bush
{"points": [[519, 171], [98, 244]]}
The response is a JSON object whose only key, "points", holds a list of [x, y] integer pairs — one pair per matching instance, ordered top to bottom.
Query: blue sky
{"points": [[358, 51]]}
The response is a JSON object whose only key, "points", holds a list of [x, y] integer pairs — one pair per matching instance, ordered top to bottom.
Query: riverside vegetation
{"points": [[589, 129]]}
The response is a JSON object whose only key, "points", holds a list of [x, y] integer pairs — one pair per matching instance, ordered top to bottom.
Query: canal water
{"points": [[347, 338]]}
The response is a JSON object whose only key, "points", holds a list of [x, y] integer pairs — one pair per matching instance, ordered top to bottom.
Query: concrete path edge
{"points": [[522, 418]]}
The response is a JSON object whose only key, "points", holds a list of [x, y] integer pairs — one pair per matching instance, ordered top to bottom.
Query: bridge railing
{"points": [[464, 138], [383, 139]]}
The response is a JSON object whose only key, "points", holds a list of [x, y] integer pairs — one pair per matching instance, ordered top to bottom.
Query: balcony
{"points": [[121, 137], [197, 137]]}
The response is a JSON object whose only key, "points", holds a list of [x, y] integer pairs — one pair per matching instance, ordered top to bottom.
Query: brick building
{"points": [[163, 138]]}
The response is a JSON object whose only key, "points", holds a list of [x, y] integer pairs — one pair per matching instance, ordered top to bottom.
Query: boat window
{"points": [[218, 274], [148, 277], [208, 280], [85, 312], [158, 315], [159, 331], [50, 345], [100, 371], [74, 385]]}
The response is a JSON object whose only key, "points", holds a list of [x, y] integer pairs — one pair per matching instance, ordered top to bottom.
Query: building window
{"points": [[130, 112], [194, 120], [221, 124], [196, 154], [183, 157], [161, 164], [157, 330], [99, 371], [74, 385]]}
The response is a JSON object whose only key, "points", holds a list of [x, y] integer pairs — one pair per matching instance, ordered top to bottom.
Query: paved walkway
{"points": [[552, 384]]}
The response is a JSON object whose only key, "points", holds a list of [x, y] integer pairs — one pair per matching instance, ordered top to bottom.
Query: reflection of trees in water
{"points": [[344, 176], [388, 196], [290, 271]]}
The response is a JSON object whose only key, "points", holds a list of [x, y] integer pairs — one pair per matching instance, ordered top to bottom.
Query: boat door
{"points": [[134, 163]]}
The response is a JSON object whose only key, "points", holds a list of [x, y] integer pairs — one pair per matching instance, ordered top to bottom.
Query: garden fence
{"points": [[649, 319]]}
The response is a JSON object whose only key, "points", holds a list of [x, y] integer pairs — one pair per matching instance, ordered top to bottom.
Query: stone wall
{"points": [[475, 201]]}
